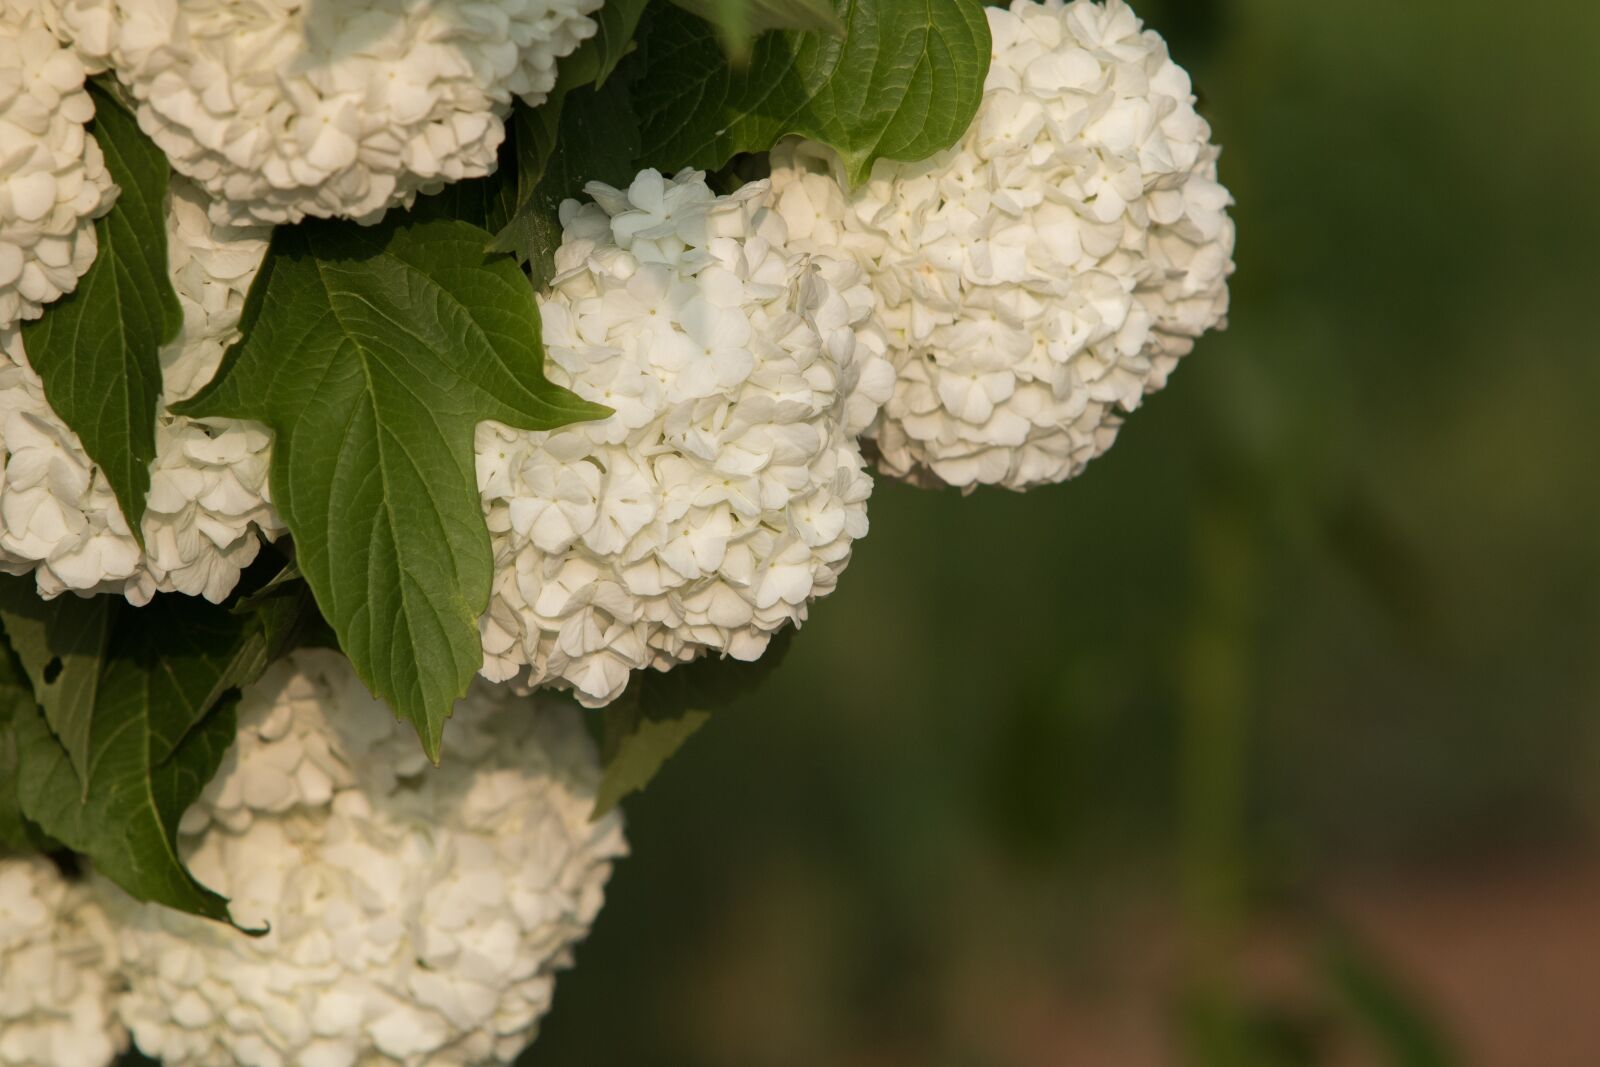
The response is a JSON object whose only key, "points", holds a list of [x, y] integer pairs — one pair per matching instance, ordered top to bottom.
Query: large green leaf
{"points": [[902, 83], [587, 134], [97, 349], [373, 353], [60, 644], [658, 712], [162, 719]]}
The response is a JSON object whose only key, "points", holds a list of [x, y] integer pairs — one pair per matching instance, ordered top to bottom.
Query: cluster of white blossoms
{"points": [[281, 109], [53, 178], [1042, 276], [208, 485], [724, 492], [720, 499], [418, 915], [58, 961]]}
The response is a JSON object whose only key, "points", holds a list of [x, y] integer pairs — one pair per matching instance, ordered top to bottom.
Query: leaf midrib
{"points": [[408, 586]]}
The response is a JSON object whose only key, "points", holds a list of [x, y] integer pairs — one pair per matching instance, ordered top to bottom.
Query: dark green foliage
{"points": [[903, 82], [97, 348], [373, 353], [658, 712], [153, 729]]}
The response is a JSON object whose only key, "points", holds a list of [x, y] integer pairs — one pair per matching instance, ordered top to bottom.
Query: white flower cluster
{"points": [[286, 108], [53, 178], [1038, 279], [208, 491], [724, 493], [720, 499], [418, 915], [57, 971]]}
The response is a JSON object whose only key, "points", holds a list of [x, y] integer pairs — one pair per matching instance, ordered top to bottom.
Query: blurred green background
{"points": [[1273, 738]]}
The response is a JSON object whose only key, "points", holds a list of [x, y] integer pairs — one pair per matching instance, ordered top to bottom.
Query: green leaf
{"points": [[737, 21], [593, 62], [903, 83], [108, 85], [590, 119], [534, 131], [597, 139], [601, 142], [487, 203], [533, 232], [97, 349], [373, 353], [286, 610], [60, 644], [16, 698], [659, 711], [163, 717], [637, 746]]}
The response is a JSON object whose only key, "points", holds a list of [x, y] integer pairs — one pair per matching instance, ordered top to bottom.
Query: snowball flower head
{"points": [[285, 108], [53, 179], [1042, 276], [208, 485], [724, 493], [418, 915], [57, 965]]}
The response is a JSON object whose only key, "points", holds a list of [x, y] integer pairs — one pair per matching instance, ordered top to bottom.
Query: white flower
{"points": [[87, 26], [286, 108], [53, 179], [1042, 276], [208, 486], [724, 493], [418, 915], [58, 960]]}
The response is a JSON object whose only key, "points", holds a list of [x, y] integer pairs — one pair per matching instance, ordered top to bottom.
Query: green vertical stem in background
{"points": [[1214, 665], [1389, 1014]]}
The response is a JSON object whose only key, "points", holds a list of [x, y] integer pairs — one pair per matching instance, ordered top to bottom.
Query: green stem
{"points": [[1213, 675]]}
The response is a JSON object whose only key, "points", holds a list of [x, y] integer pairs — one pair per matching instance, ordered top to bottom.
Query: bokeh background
{"points": [[1274, 738]]}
